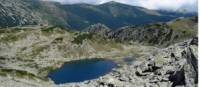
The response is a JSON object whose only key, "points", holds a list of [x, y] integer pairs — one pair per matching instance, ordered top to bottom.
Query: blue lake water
{"points": [[81, 70]]}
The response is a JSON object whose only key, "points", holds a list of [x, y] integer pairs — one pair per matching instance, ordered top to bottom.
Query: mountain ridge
{"points": [[77, 16], [161, 34]]}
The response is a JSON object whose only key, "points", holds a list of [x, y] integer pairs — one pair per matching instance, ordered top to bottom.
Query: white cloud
{"points": [[169, 4], [190, 5]]}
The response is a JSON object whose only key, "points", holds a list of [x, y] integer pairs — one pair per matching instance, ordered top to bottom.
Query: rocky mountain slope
{"points": [[30, 12], [77, 16], [151, 34], [28, 54], [174, 66]]}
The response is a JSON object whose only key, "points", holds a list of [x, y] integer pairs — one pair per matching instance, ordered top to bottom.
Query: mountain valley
{"points": [[151, 48]]}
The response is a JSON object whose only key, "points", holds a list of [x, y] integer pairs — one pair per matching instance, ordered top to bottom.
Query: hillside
{"points": [[30, 12], [77, 16]]}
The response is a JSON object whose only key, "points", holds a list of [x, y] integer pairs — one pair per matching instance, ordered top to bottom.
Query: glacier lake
{"points": [[81, 70]]}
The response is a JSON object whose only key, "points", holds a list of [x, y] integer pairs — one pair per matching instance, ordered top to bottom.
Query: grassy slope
{"points": [[187, 26], [38, 51]]}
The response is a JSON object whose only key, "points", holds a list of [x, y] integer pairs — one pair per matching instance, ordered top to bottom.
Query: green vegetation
{"points": [[156, 26], [185, 27], [52, 28], [49, 29], [55, 29], [58, 29], [10, 30], [2, 31], [12, 34], [9, 38], [79, 39], [58, 40], [37, 50], [48, 69], [43, 72], [18, 73]]}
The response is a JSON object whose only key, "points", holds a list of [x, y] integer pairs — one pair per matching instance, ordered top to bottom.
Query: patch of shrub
{"points": [[52, 28], [9, 38], [79, 39], [58, 40], [37, 50], [18, 73]]}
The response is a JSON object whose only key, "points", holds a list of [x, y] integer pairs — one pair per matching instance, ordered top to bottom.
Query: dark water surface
{"points": [[81, 70]]}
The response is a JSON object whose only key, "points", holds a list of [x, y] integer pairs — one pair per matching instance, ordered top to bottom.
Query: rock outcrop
{"points": [[99, 29], [145, 34]]}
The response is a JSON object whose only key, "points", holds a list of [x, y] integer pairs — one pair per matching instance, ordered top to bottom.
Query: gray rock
{"points": [[99, 29]]}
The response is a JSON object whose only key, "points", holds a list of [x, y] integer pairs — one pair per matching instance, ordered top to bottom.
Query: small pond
{"points": [[81, 70]]}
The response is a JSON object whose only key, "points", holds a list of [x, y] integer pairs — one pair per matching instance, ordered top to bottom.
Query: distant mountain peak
{"points": [[112, 2]]}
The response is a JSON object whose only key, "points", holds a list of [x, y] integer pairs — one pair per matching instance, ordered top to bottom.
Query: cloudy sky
{"points": [[189, 5]]}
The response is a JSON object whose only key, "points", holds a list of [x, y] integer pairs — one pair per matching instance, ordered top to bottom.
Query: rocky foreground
{"points": [[174, 66]]}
